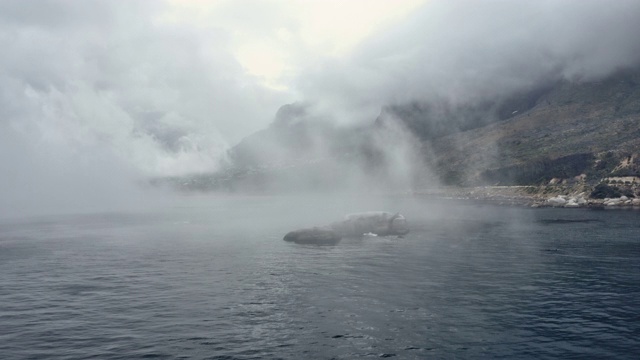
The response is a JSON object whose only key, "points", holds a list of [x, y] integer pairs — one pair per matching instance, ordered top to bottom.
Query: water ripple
{"points": [[121, 288]]}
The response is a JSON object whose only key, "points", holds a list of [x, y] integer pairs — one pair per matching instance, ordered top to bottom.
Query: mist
{"points": [[467, 52], [97, 98], [301, 179]]}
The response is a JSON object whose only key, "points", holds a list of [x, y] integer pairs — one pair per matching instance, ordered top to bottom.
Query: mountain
{"points": [[571, 129], [556, 130]]}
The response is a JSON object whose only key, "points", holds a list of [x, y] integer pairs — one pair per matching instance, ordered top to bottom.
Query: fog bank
{"points": [[96, 96]]}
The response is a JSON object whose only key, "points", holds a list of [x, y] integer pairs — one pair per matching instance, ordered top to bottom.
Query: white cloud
{"points": [[274, 40], [466, 51], [164, 87], [166, 98]]}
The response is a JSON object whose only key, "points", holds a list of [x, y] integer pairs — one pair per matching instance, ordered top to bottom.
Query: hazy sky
{"points": [[89, 89]]}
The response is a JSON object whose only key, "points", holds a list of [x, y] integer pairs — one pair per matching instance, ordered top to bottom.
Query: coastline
{"points": [[531, 196]]}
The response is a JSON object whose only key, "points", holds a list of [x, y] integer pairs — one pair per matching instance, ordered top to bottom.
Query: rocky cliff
{"points": [[573, 128], [557, 131]]}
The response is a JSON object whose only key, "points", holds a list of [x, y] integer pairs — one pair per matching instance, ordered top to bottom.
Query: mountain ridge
{"points": [[560, 129]]}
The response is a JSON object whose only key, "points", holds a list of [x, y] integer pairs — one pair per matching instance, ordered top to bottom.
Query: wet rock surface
{"points": [[373, 223], [314, 236]]}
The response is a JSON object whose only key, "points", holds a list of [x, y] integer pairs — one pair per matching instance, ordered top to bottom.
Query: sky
{"points": [[98, 94]]}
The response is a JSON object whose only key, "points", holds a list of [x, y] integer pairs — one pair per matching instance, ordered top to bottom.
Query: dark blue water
{"points": [[213, 280]]}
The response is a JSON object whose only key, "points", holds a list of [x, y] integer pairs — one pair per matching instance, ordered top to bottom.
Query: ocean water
{"points": [[211, 278]]}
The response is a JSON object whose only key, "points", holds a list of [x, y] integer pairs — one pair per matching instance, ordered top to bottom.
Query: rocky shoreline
{"points": [[532, 196]]}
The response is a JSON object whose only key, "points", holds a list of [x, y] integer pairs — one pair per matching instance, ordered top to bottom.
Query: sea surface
{"points": [[211, 278]]}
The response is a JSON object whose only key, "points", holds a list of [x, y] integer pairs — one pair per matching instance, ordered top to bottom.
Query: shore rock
{"points": [[557, 201], [621, 201], [571, 204]]}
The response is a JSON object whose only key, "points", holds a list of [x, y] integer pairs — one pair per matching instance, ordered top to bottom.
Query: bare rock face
{"points": [[313, 236]]}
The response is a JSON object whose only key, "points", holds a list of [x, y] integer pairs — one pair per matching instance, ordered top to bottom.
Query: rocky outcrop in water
{"points": [[376, 222], [313, 236]]}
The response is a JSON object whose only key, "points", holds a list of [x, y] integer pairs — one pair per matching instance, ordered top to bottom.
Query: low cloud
{"points": [[469, 51], [109, 88], [95, 96], [166, 98]]}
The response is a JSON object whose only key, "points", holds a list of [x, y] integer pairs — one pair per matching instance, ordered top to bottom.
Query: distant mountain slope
{"points": [[569, 119], [559, 129]]}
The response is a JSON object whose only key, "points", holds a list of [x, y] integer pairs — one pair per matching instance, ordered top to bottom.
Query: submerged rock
{"points": [[315, 236]]}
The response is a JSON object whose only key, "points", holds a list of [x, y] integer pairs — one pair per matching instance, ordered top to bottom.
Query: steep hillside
{"points": [[571, 128], [558, 130]]}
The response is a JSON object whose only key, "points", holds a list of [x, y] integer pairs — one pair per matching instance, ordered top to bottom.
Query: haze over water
{"points": [[99, 98], [212, 279]]}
